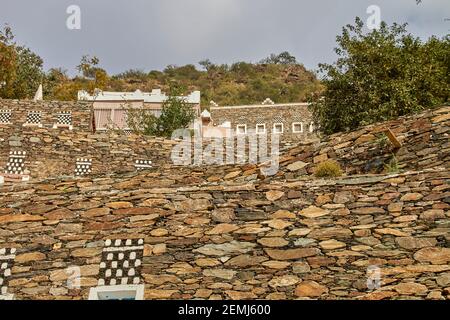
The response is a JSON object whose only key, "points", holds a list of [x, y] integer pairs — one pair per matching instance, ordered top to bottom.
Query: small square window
{"points": [[5, 116], [34, 118], [63, 119], [297, 127], [260, 128], [278, 128], [241, 129], [119, 292]]}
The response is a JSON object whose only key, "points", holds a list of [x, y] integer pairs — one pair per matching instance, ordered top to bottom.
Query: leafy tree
{"points": [[282, 58], [8, 62], [87, 66], [20, 68], [29, 73], [381, 75], [176, 114]]}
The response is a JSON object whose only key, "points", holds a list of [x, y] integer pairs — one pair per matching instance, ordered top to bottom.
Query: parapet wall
{"points": [[81, 114], [53, 151], [324, 239]]}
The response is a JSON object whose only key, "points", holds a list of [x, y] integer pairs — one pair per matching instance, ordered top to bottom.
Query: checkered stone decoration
{"points": [[5, 116], [34, 117], [64, 118], [278, 119], [128, 131], [16, 162], [143, 164], [83, 167], [7, 256], [121, 262]]}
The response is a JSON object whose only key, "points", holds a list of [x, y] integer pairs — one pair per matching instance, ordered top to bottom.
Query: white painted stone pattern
{"points": [[5, 116], [34, 117], [64, 118], [16, 162], [143, 164], [83, 167], [7, 256], [121, 262]]}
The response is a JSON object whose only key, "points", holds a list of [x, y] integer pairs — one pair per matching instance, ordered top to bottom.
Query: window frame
{"points": [[297, 123], [260, 124], [278, 124], [241, 125], [94, 293]]}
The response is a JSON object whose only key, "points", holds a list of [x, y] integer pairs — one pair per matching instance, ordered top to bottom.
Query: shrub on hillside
{"points": [[381, 75], [328, 169]]}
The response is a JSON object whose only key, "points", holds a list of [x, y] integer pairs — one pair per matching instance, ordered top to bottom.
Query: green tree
{"points": [[282, 58], [8, 62], [29, 73], [380, 75], [176, 113]]}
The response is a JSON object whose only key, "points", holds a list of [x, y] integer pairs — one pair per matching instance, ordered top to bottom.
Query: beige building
{"points": [[110, 107]]}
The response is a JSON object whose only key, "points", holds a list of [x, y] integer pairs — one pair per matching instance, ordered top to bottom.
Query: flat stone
{"points": [[296, 166], [274, 195], [411, 197], [119, 205], [313, 212], [279, 224], [223, 228], [392, 231], [330, 233], [273, 242], [412, 243], [332, 244], [233, 247], [433, 255], [29, 256], [207, 262], [273, 264], [219, 273], [283, 281], [410, 288], [310, 289], [240, 295]]}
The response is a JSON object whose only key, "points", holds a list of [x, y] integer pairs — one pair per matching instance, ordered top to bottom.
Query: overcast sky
{"points": [[151, 34]]}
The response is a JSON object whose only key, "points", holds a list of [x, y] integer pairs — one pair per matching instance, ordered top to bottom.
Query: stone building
{"points": [[291, 120]]}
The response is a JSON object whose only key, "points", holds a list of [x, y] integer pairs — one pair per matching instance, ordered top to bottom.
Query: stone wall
{"points": [[81, 113], [424, 137], [52, 152], [218, 240]]}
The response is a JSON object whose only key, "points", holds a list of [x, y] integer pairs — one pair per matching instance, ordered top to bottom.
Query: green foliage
{"points": [[282, 58], [20, 68], [29, 73], [381, 75], [280, 78], [176, 114], [382, 141], [392, 165], [328, 169]]}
